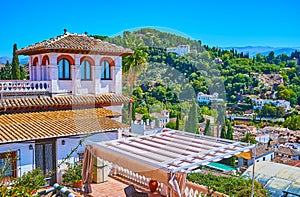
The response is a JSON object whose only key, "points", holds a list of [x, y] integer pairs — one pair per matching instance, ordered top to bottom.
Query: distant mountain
{"points": [[265, 50], [5, 58]]}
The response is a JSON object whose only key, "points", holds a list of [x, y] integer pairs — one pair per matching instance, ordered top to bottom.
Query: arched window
{"points": [[64, 69], [85, 70], [105, 70]]}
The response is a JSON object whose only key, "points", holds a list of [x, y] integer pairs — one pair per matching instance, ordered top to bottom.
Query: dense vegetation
{"points": [[172, 82], [231, 186]]}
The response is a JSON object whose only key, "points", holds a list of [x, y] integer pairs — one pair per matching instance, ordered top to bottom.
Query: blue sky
{"points": [[215, 22]]}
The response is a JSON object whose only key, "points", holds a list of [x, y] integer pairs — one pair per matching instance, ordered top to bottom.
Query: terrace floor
{"points": [[114, 187]]}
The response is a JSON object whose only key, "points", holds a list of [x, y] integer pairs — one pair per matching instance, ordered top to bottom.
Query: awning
{"points": [[160, 155]]}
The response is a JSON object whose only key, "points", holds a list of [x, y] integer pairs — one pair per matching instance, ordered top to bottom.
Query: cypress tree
{"points": [[15, 65], [133, 111], [192, 121], [177, 122], [207, 127], [223, 132], [229, 134]]}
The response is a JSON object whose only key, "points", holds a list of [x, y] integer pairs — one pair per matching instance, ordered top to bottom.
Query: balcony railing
{"points": [[14, 86], [191, 189]]}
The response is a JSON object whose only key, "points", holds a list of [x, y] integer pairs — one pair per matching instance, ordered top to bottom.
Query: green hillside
{"points": [[172, 82]]}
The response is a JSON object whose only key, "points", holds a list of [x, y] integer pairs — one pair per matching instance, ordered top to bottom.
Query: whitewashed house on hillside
{"points": [[180, 50], [75, 90], [259, 103]]}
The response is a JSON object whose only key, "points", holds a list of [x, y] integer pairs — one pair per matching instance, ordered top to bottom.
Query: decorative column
{"points": [[38, 68], [30, 69], [38, 72], [53, 73], [75, 74], [97, 76], [118, 76], [76, 82]]}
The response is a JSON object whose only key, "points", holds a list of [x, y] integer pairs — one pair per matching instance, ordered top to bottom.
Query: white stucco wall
{"points": [[65, 85], [107, 86], [116, 108], [266, 157], [26, 160]]}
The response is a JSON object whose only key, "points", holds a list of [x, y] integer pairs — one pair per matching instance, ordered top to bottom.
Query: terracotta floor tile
{"points": [[114, 187]]}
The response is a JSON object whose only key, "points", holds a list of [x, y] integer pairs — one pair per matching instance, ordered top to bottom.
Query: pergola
{"points": [[163, 155]]}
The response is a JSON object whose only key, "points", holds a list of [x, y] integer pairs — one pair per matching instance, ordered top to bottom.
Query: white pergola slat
{"points": [[175, 151]]}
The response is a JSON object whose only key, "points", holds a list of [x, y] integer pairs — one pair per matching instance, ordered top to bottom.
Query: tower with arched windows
{"points": [[76, 64]]}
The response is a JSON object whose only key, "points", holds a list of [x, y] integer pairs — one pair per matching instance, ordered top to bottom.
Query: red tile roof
{"points": [[74, 43], [61, 102], [41, 125], [287, 151], [294, 163]]}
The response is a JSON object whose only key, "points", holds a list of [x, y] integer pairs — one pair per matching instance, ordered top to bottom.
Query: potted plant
{"points": [[72, 176], [153, 184]]}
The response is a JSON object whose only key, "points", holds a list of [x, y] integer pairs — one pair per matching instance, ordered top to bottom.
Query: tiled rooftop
{"points": [[75, 42], [31, 104], [41, 125], [287, 151]]}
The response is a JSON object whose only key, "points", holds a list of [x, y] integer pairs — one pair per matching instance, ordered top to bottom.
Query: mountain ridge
{"points": [[264, 50], [22, 61]]}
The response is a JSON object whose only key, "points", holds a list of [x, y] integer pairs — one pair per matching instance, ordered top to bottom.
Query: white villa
{"points": [[180, 49], [75, 89], [207, 99], [259, 103]]}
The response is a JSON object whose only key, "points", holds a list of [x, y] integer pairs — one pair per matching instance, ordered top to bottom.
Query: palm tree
{"points": [[134, 64], [249, 138]]}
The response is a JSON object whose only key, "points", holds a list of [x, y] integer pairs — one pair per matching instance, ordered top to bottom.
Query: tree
{"points": [[271, 57], [134, 64], [15, 65], [5, 73], [284, 94], [133, 111], [177, 121], [192, 121], [292, 122], [171, 125], [207, 127], [223, 132], [229, 134], [249, 138]]}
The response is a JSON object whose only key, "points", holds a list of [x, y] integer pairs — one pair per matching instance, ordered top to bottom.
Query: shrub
{"points": [[73, 174], [31, 181], [231, 186]]}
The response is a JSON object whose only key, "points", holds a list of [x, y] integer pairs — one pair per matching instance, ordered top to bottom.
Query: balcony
{"points": [[23, 86], [122, 177]]}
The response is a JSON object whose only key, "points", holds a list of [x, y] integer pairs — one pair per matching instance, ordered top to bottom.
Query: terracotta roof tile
{"points": [[76, 43], [58, 102], [37, 125], [287, 151]]}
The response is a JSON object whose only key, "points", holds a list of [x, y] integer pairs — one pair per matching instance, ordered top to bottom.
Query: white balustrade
{"points": [[7, 86], [134, 177], [191, 189], [195, 190]]}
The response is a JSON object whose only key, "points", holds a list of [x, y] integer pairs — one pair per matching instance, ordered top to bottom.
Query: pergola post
{"points": [[253, 168]]}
